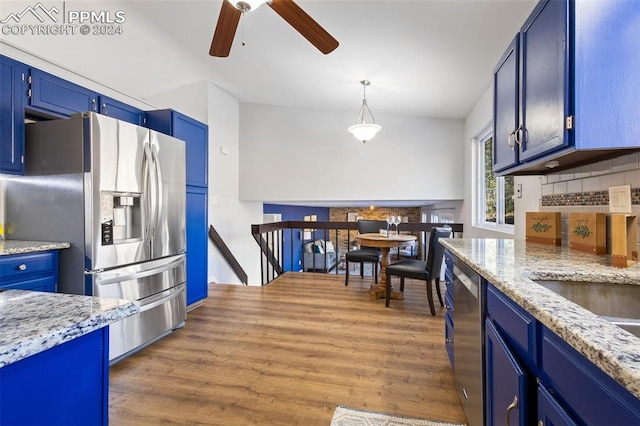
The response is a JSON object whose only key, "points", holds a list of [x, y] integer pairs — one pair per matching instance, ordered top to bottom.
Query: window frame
{"points": [[479, 203]]}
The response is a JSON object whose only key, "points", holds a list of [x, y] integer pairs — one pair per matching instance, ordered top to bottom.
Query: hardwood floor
{"points": [[287, 354]]}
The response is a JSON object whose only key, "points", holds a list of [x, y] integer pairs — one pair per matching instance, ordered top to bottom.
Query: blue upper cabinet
{"points": [[607, 73], [544, 75], [13, 87], [575, 87], [531, 91], [55, 95], [506, 107], [120, 110], [194, 133]]}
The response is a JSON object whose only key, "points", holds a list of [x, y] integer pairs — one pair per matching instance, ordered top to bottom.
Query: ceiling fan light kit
{"points": [[247, 5], [288, 10], [362, 130]]}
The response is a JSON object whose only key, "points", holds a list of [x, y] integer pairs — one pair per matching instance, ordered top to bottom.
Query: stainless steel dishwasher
{"points": [[468, 341]]}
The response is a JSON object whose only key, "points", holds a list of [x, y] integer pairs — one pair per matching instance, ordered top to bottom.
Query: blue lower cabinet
{"points": [[197, 244], [31, 271], [506, 382], [65, 385], [570, 388], [587, 392], [550, 412]]}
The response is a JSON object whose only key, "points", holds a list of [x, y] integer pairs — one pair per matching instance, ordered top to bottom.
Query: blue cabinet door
{"points": [[544, 80], [13, 87], [61, 97], [506, 107], [121, 111], [607, 111], [194, 133], [197, 135], [197, 244], [30, 271], [47, 284], [449, 330], [505, 381], [65, 385], [589, 394], [550, 412]]}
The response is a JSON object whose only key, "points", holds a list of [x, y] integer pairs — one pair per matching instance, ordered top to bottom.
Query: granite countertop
{"points": [[19, 247], [511, 265], [32, 322]]}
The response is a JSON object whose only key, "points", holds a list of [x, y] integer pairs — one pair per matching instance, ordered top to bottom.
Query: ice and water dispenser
{"points": [[121, 217]]}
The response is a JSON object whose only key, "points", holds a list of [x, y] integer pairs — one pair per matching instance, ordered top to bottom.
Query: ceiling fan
{"points": [[287, 9]]}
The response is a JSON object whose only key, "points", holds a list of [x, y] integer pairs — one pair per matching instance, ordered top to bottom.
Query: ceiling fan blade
{"points": [[305, 24], [225, 30]]}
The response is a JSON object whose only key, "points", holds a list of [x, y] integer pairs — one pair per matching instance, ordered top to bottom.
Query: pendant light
{"points": [[362, 130]]}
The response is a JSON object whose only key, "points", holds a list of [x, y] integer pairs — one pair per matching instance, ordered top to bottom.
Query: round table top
{"points": [[376, 240]]}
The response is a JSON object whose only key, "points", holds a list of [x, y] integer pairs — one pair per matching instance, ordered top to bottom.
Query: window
{"points": [[494, 200]]}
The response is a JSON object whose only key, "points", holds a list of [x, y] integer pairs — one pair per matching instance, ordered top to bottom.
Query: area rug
{"points": [[345, 416]]}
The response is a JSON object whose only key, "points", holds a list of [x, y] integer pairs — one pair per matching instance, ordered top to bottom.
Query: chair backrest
{"points": [[369, 226], [436, 250]]}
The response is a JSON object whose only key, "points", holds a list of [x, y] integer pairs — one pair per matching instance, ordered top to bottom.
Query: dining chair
{"points": [[366, 254], [419, 269]]}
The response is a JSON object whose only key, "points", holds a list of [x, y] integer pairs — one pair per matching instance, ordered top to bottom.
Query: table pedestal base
{"points": [[375, 292]]}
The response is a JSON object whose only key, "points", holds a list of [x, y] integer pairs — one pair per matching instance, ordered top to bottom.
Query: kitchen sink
{"points": [[617, 303]]}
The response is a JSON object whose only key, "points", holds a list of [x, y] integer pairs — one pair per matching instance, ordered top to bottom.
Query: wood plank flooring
{"points": [[287, 354]]}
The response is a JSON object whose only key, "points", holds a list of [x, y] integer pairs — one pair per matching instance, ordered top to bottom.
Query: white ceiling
{"points": [[423, 57], [427, 58]]}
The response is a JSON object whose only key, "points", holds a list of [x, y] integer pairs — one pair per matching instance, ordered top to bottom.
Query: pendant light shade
{"points": [[363, 130]]}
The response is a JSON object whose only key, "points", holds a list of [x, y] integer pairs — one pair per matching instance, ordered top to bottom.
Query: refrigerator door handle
{"points": [[158, 180], [146, 188], [105, 278], [161, 298]]}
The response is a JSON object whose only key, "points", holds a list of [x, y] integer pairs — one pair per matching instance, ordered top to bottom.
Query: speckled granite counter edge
{"points": [[8, 247], [27, 339], [612, 349]]}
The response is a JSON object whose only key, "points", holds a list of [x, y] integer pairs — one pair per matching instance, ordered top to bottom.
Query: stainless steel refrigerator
{"points": [[116, 192]]}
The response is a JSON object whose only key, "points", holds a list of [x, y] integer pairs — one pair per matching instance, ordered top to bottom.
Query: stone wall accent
{"points": [[340, 214]]}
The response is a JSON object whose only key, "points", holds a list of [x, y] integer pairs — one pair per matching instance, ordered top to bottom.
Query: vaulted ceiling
{"points": [[424, 57]]}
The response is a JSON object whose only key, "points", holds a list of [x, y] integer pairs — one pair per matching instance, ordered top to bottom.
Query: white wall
{"points": [[294, 154], [232, 219]]}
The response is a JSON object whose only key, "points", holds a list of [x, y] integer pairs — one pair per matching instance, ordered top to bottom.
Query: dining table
{"points": [[385, 244]]}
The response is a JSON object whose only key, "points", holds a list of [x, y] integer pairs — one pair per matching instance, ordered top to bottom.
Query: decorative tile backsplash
{"points": [[585, 189], [592, 198]]}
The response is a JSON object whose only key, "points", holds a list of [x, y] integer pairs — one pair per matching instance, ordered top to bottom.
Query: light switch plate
{"points": [[620, 199]]}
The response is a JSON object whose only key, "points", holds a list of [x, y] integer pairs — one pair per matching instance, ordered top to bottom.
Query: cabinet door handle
{"points": [[93, 105], [104, 109], [516, 133], [511, 145], [22, 267], [448, 341], [514, 404]]}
